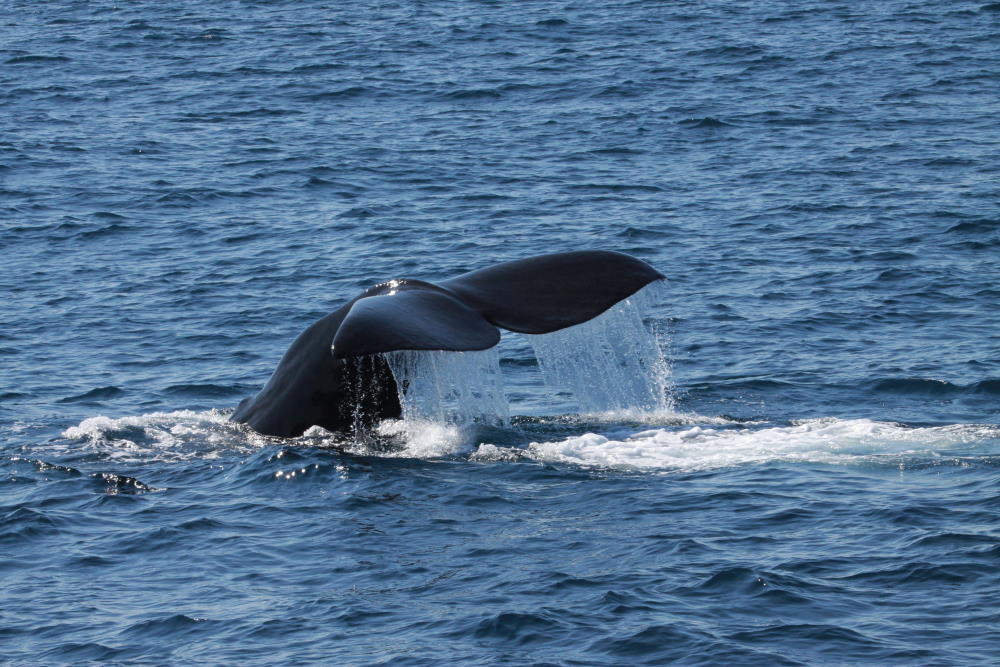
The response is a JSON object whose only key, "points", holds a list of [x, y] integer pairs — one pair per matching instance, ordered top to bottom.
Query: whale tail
{"points": [[536, 295], [332, 375]]}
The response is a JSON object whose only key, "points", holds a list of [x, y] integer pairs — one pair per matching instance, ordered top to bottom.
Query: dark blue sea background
{"points": [[186, 186]]}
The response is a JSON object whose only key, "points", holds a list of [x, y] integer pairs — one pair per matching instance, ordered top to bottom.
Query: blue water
{"points": [[185, 186]]}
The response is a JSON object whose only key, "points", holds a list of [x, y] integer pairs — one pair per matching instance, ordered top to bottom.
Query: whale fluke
{"points": [[543, 294], [412, 316], [332, 375]]}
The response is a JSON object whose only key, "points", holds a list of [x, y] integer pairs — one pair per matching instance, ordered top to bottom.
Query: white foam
{"points": [[179, 435], [425, 439], [707, 444], [697, 448]]}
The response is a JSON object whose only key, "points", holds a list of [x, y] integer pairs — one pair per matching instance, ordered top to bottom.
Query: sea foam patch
{"points": [[185, 434], [180, 435], [423, 438], [709, 443], [701, 447]]}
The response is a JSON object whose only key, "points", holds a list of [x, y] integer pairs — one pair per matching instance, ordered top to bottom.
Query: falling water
{"points": [[612, 362], [453, 387]]}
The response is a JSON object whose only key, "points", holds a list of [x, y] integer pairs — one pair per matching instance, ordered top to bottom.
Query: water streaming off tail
{"points": [[611, 363], [454, 387]]}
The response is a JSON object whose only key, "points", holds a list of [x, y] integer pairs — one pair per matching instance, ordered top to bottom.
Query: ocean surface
{"points": [[186, 186]]}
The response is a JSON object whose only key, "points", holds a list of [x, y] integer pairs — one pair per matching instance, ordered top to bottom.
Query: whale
{"points": [[335, 375]]}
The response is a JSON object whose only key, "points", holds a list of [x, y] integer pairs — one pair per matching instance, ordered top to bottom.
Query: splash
{"points": [[423, 439]]}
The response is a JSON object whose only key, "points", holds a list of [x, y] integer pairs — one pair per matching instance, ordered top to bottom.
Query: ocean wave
{"points": [[706, 122], [932, 387], [94, 395]]}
